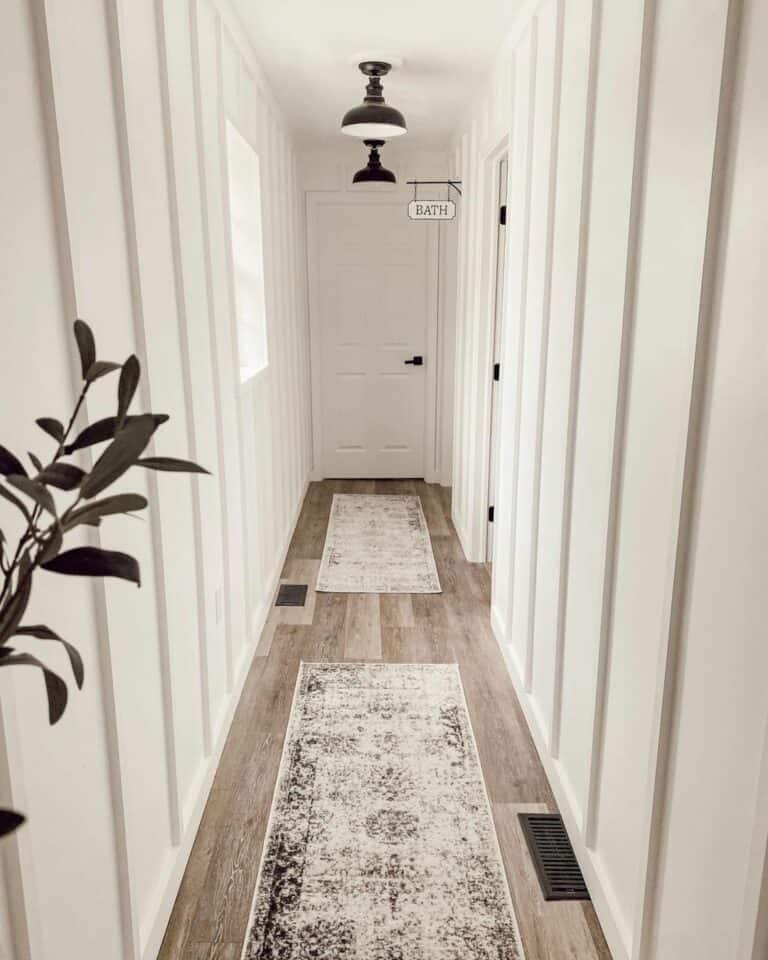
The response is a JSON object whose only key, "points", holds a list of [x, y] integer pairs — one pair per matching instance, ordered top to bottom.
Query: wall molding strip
{"points": [[70, 284], [519, 309], [182, 320], [545, 325], [233, 341], [575, 373], [145, 390], [620, 419], [688, 500]]}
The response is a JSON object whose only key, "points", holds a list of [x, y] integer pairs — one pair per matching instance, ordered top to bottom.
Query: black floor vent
{"points": [[291, 595], [553, 857]]}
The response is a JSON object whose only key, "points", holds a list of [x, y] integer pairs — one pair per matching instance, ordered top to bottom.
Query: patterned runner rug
{"points": [[377, 544], [380, 844]]}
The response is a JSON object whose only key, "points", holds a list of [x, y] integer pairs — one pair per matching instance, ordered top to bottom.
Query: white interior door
{"points": [[375, 284], [498, 300]]}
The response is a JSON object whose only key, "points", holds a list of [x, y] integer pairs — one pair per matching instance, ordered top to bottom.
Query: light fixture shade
{"points": [[374, 119], [373, 122], [373, 172]]}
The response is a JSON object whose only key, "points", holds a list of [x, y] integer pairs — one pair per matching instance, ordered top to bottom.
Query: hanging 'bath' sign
{"points": [[431, 209]]}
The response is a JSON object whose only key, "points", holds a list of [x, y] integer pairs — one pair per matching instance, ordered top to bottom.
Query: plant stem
{"points": [[71, 423], [8, 592]]}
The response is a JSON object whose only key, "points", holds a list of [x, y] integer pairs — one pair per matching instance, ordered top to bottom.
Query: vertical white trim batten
{"points": [[41, 14], [205, 217], [517, 320], [231, 321], [545, 325], [186, 370], [575, 372], [620, 420], [224, 459], [158, 550], [667, 692]]}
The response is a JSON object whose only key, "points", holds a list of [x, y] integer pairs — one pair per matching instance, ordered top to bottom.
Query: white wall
{"points": [[326, 176], [114, 208], [629, 577]]}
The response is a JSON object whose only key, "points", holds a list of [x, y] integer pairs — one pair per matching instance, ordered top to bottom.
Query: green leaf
{"points": [[86, 346], [100, 368], [129, 380], [54, 428], [103, 430], [97, 432], [121, 454], [36, 462], [9, 463], [171, 464], [65, 476], [35, 490], [7, 495], [94, 511], [94, 562], [15, 607], [41, 632], [54, 685], [9, 821]]}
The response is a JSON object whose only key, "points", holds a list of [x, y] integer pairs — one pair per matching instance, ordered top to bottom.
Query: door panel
{"points": [[374, 270], [498, 311]]}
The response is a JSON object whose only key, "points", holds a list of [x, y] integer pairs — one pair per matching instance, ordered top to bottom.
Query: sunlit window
{"points": [[247, 252]]}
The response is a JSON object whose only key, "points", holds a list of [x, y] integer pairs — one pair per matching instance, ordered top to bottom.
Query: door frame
{"points": [[488, 183], [499, 267], [433, 368]]}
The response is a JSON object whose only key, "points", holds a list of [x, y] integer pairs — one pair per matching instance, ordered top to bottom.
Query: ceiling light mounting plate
{"points": [[375, 56], [374, 68]]}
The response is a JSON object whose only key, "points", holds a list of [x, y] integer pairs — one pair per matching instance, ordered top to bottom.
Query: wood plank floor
{"points": [[212, 908]]}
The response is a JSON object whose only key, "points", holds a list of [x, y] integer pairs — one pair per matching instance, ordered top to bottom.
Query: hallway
{"points": [[513, 249], [211, 911]]}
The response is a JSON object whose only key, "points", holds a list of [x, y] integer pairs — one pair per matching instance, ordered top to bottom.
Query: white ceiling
{"points": [[307, 50]]}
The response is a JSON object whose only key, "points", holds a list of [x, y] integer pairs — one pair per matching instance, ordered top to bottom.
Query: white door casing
{"points": [[373, 306], [498, 313]]}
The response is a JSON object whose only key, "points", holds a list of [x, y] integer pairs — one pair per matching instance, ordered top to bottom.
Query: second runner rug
{"points": [[377, 544]]}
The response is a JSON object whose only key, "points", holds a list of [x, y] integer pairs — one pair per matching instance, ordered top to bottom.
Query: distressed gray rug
{"points": [[377, 544], [380, 844]]}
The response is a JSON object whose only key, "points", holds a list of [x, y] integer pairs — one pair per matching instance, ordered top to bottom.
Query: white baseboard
{"points": [[444, 481], [462, 538], [261, 613], [599, 887], [150, 944]]}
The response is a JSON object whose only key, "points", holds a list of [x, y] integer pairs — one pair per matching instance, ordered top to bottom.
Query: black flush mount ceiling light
{"points": [[374, 119], [373, 172]]}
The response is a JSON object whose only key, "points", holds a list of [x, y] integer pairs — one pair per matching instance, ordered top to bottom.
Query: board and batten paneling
{"points": [[634, 141], [115, 209], [716, 761]]}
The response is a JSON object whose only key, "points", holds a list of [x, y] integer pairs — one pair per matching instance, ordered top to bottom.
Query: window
{"points": [[247, 253]]}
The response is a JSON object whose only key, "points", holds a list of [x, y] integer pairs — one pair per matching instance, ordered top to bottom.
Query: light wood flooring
{"points": [[212, 908]]}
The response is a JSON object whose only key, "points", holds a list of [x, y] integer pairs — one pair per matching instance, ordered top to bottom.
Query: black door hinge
{"points": [[503, 214], [497, 371], [490, 514]]}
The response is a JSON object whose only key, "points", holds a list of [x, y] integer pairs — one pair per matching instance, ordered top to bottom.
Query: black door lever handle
{"points": [[416, 361]]}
